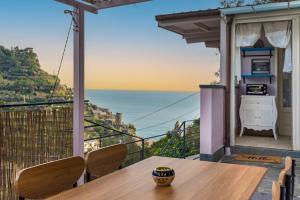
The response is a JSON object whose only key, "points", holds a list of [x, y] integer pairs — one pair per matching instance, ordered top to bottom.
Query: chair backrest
{"points": [[105, 160], [288, 165], [282, 177], [45, 180], [276, 191]]}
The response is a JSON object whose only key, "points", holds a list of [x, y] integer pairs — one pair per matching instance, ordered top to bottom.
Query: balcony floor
{"points": [[283, 142]]}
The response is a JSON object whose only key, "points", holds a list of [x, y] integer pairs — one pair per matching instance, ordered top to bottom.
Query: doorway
{"points": [[282, 90], [284, 99]]}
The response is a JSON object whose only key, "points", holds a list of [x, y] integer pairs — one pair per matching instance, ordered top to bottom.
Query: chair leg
{"points": [[293, 175], [88, 177], [288, 185], [282, 193]]}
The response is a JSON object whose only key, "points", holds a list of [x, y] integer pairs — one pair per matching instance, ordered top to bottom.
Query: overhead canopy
{"points": [[101, 4], [195, 26]]}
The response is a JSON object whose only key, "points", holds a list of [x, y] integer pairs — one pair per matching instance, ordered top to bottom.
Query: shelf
{"points": [[248, 49], [257, 49], [270, 76]]}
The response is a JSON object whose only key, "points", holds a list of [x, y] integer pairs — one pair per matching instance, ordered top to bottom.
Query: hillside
{"points": [[23, 80]]}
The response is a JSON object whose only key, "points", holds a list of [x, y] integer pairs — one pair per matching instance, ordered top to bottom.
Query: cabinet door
{"points": [[250, 115], [265, 115]]}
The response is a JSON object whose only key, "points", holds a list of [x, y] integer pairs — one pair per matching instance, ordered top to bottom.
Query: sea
{"points": [[151, 112]]}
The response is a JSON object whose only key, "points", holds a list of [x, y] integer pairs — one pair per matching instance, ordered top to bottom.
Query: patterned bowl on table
{"points": [[163, 176]]}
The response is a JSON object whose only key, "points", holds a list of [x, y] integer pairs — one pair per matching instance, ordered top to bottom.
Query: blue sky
{"points": [[123, 40]]}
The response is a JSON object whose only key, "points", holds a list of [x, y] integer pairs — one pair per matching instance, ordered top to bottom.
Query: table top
{"points": [[194, 179]]}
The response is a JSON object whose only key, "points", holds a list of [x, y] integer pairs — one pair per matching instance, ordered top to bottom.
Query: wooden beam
{"points": [[77, 4], [102, 4], [188, 20], [202, 27], [174, 29], [198, 30], [206, 34], [201, 39], [212, 44]]}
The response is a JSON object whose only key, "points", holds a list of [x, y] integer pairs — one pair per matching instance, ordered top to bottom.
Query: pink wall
{"points": [[212, 126]]}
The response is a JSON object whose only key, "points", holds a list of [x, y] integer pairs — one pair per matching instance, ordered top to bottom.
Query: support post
{"points": [[225, 70], [78, 102], [184, 140], [143, 149]]}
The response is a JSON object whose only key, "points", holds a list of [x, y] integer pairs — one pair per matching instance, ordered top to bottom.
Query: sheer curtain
{"points": [[246, 35], [279, 35]]}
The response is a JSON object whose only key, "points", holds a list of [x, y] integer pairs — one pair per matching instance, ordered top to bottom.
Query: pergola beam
{"points": [[77, 4], [102, 4]]}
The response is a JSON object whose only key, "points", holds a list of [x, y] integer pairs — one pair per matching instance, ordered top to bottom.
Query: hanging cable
{"points": [[61, 60], [164, 107], [165, 122]]}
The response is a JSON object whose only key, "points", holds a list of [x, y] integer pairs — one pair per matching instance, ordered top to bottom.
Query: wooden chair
{"points": [[105, 160], [290, 177], [45, 180], [282, 182], [276, 191]]}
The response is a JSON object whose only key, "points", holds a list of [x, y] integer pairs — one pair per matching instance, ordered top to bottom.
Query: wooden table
{"points": [[194, 180]]}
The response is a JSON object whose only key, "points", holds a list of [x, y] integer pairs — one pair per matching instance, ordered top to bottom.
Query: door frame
{"points": [[267, 17]]}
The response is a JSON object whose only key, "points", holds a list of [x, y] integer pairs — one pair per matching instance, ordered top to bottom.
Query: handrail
{"points": [[38, 104], [112, 129], [179, 131]]}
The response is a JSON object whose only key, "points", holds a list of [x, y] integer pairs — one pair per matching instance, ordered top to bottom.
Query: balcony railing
{"points": [[32, 134], [181, 142]]}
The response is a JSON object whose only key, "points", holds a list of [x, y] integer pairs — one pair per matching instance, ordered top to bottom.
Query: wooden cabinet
{"points": [[258, 113]]}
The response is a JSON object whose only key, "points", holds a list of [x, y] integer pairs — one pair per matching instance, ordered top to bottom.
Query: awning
{"points": [[195, 26]]}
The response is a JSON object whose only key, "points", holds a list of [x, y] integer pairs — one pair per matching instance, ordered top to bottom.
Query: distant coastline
{"points": [[134, 104]]}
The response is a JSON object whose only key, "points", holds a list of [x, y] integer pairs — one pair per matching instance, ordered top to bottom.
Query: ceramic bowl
{"points": [[163, 176]]}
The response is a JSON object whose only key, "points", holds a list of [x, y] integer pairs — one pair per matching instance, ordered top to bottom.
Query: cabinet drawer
{"points": [[258, 101]]}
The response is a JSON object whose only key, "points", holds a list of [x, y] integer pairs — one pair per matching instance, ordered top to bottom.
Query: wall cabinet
{"points": [[258, 113]]}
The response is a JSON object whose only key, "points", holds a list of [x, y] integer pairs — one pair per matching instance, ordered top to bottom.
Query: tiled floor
{"points": [[283, 142], [265, 188]]}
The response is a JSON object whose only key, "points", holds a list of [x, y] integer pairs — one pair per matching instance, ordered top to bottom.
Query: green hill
{"points": [[23, 80]]}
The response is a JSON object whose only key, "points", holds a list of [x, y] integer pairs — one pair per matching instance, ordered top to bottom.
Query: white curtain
{"points": [[246, 35], [279, 35]]}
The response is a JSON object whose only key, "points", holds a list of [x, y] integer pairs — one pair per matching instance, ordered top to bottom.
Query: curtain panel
{"points": [[246, 35], [279, 35]]}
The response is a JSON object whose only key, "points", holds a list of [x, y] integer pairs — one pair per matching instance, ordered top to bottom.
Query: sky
{"points": [[125, 49]]}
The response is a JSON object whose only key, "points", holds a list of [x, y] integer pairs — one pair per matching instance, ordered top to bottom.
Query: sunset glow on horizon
{"points": [[125, 49]]}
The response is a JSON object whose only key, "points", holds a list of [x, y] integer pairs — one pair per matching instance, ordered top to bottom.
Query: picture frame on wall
{"points": [[260, 66]]}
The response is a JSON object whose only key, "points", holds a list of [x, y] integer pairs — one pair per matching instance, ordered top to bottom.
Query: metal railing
{"points": [[35, 133], [181, 142]]}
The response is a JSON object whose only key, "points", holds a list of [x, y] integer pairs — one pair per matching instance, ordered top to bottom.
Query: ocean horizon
{"points": [[134, 105]]}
